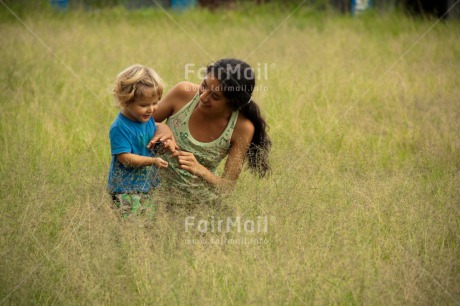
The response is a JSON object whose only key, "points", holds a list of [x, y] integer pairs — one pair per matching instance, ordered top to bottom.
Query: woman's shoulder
{"points": [[184, 90], [176, 99], [243, 127]]}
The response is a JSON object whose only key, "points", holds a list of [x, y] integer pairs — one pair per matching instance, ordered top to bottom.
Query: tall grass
{"points": [[363, 202]]}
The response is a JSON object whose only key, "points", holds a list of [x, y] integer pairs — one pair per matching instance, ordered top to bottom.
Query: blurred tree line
{"points": [[417, 7]]}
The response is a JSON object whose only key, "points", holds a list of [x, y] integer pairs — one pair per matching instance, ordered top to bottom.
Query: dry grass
{"points": [[363, 200]]}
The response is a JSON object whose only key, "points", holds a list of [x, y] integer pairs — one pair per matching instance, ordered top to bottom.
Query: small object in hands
{"points": [[158, 148]]}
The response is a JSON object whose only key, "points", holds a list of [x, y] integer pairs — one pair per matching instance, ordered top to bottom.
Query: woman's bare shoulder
{"points": [[184, 90], [177, 97], [244, 128]]}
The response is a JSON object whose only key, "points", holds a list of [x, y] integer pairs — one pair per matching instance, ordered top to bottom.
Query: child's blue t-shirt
{"points": [[127, 136]]}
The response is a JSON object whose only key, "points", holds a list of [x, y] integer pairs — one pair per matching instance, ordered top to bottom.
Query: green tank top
{"points": [[208, 154]]}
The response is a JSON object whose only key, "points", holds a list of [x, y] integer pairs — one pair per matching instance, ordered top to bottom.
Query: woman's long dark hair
{"points": [[237, 81]]}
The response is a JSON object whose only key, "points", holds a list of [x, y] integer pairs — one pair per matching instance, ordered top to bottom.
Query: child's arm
{"points": [[136, 161]]}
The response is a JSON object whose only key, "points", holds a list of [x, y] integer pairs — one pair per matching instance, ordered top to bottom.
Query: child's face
{"points": [[141, 109]]}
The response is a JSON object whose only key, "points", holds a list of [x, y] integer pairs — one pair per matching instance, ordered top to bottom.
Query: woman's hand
{"points": [[165, 136], [170, 145], [187, 161]]}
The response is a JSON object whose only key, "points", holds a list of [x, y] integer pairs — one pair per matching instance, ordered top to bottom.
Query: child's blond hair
{"points": [[137, 81]]}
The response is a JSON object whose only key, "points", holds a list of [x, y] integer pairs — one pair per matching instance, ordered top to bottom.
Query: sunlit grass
{"points": [[363, 199]]}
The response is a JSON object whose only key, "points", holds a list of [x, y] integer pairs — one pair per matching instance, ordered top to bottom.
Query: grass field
{"points": [[363, 203]]}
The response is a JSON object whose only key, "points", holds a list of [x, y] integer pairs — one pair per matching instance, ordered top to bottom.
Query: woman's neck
{"points": [[214, 116]]}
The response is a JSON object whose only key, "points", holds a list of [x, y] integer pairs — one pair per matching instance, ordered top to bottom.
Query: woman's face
{"points": [[212, 98]]}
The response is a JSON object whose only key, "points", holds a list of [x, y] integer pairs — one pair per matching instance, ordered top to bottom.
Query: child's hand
{"points": [[160, 163]]}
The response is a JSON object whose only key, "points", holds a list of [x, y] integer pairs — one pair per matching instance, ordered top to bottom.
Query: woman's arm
{"points": [[177, 97], [164, 135], [241, 139]]}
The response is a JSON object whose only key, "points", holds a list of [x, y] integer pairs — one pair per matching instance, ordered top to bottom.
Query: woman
{"points": [[209, 122]]}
